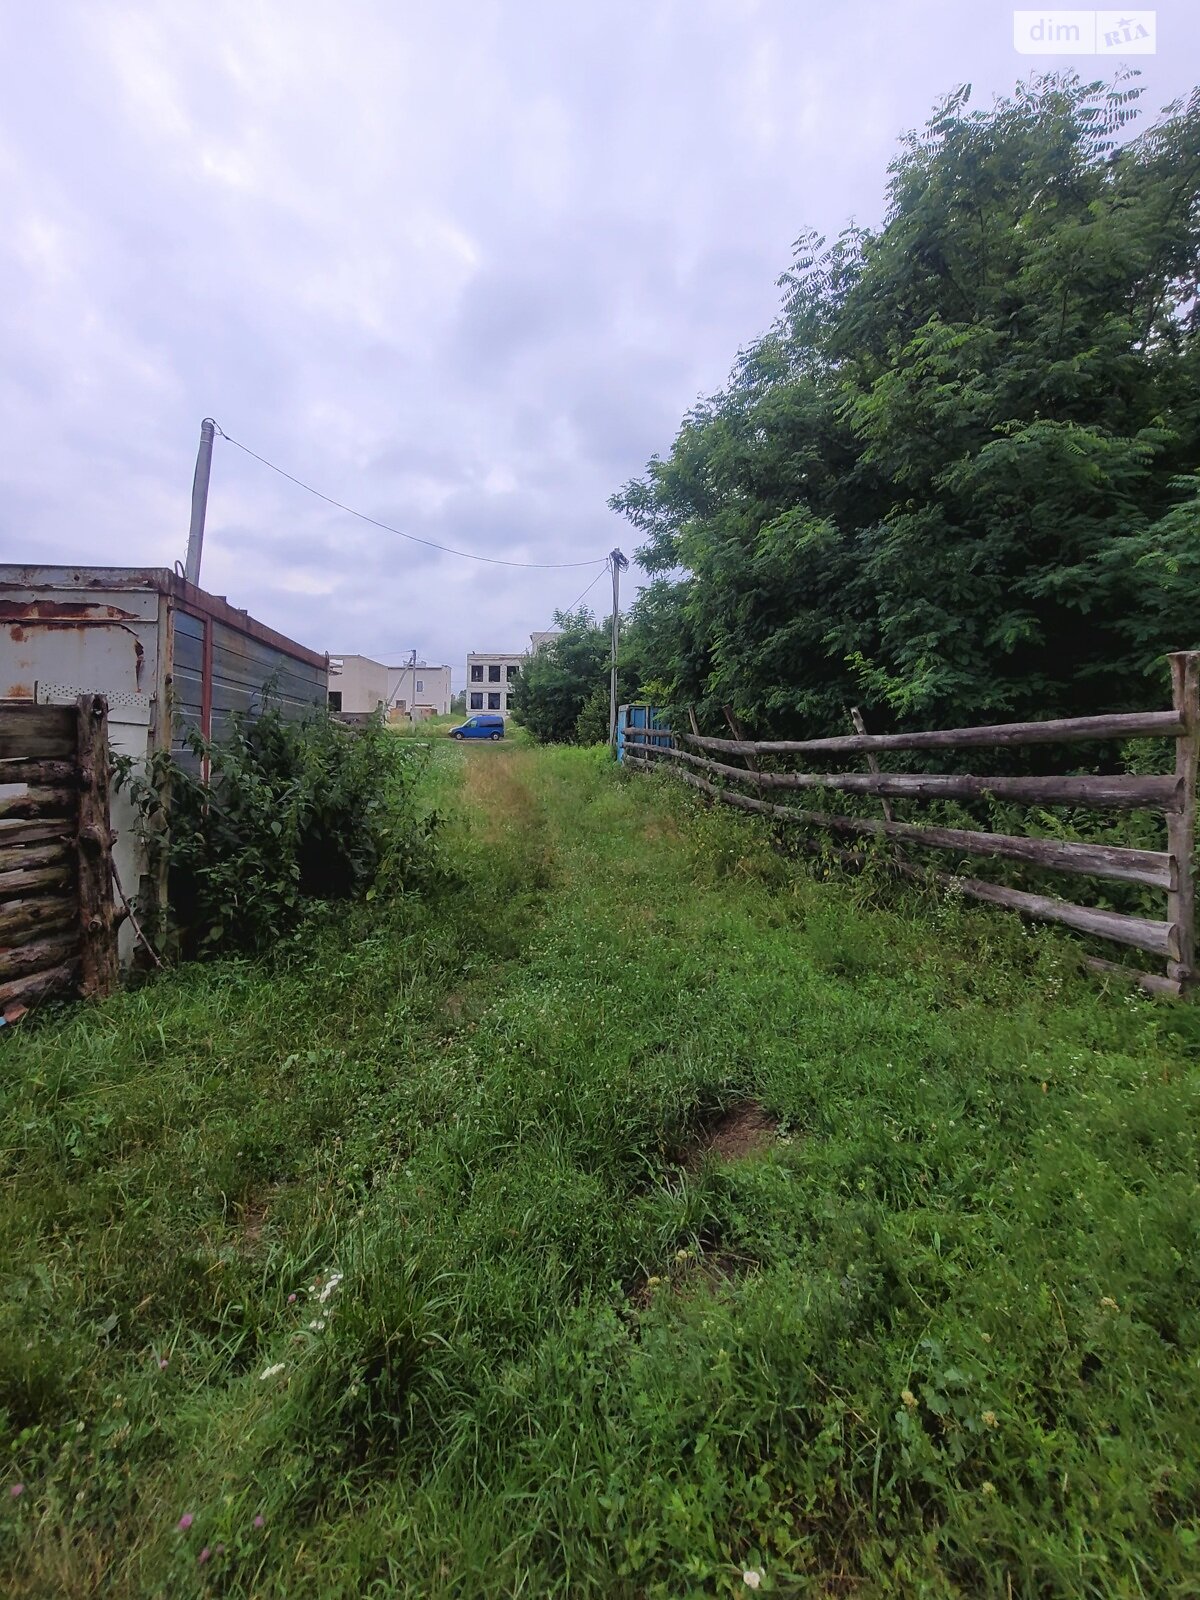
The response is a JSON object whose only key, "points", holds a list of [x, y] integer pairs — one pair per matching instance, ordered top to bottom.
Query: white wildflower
{"points": [[334, 1279], [318, 1325], [272, 1372], [751, 1578]]}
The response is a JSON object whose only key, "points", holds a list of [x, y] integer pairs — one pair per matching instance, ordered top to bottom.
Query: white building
{"points": [[491, 678], [357, 685], [419, 690]]}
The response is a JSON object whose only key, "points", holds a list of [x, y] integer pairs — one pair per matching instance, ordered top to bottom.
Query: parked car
{"points": [[481, 727]]}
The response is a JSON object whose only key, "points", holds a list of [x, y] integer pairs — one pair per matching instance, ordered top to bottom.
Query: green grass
{"points": [[436, 730], [939, 1340]]}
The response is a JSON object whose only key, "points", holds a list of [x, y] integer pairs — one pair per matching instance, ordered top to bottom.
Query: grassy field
{"points": [[639, 1214]]}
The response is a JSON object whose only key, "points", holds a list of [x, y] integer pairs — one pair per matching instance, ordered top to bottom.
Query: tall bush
{"points": [[956, 481], [289, 811]]}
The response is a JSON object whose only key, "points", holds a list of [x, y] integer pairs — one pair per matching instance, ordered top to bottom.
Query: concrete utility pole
{"points": [[195, 549], [618, 564]]}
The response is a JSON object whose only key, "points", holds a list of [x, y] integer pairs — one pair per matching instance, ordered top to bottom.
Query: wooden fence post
{"points": [[738, 732], [889, 815], [1181, 823], [97, 915]]}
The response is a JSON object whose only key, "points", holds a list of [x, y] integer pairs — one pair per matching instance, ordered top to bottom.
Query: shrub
{"points": [[284, 812]]}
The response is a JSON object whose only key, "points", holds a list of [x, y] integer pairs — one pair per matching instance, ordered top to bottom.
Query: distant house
{"points": [[537, 640], [491, 678], [357, 685], [419, 690]]}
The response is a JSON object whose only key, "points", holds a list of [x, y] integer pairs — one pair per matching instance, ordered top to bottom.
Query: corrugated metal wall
{"points": [[168, 656], [246, 672], [187, 683]]}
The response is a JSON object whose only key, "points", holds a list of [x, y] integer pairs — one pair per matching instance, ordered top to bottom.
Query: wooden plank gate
{"points": [[1172, 795], [58, 926]]}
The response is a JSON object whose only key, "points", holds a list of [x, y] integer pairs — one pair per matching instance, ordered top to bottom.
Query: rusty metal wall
{"points": [[60, 637], [167, 655]]}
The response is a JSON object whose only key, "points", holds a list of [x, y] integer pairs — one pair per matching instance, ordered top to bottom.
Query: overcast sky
{"points": [[461, 265]]}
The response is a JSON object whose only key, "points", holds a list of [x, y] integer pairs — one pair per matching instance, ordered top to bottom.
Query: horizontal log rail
{"points": [[1063, 730], [36, 731], [40, 771], [1120, 791], [1172, 794], [40, 803], [20, 830], [33, 855], [1152, 868], [21, 880], [22, 920], [58, 927], [1154, 937], [1157, 938], [18, 960], [1152, 982], [36, 986]]}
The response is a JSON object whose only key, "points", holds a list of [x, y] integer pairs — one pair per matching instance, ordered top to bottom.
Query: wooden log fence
{"points": [[1172, 794], [58, 926]]}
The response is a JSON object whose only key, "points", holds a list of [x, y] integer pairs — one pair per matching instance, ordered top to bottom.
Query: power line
{"points": [[468, 555], [590, 587]]}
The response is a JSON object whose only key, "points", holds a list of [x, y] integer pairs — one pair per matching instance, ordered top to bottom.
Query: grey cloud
{"points": [[462, 267]]}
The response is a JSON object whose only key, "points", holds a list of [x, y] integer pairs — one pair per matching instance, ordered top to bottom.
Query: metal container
{"points": [[168, 656], [631, 716]]}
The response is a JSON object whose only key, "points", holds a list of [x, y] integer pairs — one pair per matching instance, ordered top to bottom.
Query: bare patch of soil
{"points": [[659, 828], [741, 1132], [253, 1218], [690, 1271]]}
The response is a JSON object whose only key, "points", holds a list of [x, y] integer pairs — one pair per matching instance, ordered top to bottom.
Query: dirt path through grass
{"points": [[425, 1246]]}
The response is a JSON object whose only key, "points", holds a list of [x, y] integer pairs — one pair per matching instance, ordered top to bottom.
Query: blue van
{"points": [[484, 726]]}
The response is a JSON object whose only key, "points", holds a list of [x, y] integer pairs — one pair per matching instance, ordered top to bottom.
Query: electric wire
{"points": [[467, 555], [589, 588]]}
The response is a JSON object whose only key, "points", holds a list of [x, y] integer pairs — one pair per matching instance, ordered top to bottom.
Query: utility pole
{"points": [[195, 548], [618, 564]]}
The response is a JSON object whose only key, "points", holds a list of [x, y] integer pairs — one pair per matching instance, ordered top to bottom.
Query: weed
{"points": [[280, 812], [937, 1337]]}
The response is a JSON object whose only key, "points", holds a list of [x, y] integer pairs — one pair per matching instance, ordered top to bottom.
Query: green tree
{"points": [[957, 480], [562, 693]]}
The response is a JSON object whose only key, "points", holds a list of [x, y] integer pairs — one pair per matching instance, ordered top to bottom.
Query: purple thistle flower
{"points": [[291, 1299], [163, 1363], [17, 1490], [185, 1521], [260, 1521], [204, 1555]]}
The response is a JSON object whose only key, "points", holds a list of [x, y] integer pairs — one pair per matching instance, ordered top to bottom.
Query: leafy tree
{"points": [[957, 480], [562, 694]]}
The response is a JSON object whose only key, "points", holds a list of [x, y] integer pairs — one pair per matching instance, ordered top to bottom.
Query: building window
{"points": [[512, 672], [476, 674], [493, 674], [420, 687], [335, 700], [476, 702], [493, 702]]}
